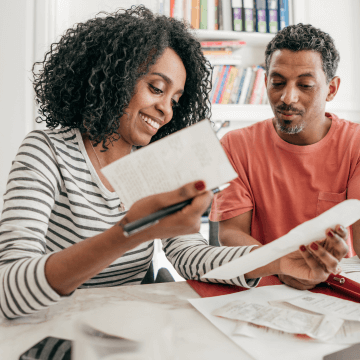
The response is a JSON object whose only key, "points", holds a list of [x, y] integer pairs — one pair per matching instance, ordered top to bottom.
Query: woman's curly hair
{"points": [[306, 37], [88, 78]]}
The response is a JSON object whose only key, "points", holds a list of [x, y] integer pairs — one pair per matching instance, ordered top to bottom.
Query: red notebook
{"points": [[335, 285]]}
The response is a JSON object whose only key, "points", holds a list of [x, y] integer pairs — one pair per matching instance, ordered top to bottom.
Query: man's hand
{"points": [[309, 266]]}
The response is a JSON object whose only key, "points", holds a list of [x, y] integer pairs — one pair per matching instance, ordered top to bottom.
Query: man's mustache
{"points": [[288, 108]]}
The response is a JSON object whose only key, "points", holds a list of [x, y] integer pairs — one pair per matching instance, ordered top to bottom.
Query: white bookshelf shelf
{"points": [[252, 39], [241, 112]]}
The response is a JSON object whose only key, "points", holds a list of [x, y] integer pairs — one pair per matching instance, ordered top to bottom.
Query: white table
{"points": [[195, 337]]}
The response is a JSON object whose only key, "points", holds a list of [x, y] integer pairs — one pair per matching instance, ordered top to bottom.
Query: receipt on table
{"points": [[191, 154], [345, 213], [326, 305], [318, 327]]}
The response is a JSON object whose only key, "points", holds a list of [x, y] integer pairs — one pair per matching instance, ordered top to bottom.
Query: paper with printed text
{"points": [[191, 154], [345, 213]]}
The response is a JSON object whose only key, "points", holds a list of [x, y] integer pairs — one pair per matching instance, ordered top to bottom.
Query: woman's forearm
{"points": [[68, 269]]}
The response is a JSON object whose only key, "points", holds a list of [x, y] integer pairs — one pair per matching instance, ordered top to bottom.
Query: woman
{"points": [[112, 84]]}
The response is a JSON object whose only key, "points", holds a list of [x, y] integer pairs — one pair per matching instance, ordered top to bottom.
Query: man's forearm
{"points": [[235, 237]]}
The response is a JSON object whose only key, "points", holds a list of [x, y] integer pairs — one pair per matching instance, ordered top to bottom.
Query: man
{"points": [[300, 163]]}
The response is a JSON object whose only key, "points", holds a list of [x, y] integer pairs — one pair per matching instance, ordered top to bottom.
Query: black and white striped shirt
{"points": [[54, 199]]}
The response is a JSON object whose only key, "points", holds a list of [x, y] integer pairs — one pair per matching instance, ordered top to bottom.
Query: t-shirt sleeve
{"points": [[354, 181], [236, 199], [28, 201]]}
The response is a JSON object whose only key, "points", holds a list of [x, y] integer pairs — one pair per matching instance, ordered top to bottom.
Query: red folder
{"points": [[335, 285]]}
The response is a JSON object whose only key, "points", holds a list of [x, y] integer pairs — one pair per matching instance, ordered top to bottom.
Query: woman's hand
{"points": [[185, 221], [307, 267]]}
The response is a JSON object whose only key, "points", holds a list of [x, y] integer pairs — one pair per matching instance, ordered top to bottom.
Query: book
{"points": [[172, 5], [166, 7], [160, 8], [178, 9], [283, 9], [187, 10], [195, 14], [203, 14], [211, 14], [216, 15], [220, 15], [249, 15], [227, 16], [272, 16], [237, 20], [261, 24], [223, 44], [217, 53], [214, 79], [218, 83], [222, 83], [246, 83], [229, 85], [236, 85], [241, 85], [251, 85], [256, 90], [262, 94]]}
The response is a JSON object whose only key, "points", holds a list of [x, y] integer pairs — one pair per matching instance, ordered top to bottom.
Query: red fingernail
{"points": [[200, 185], [330, 233], [314, 246], [302, 248]]}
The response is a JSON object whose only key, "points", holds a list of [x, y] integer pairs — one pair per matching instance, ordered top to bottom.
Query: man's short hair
{"points": [[306, 37]]}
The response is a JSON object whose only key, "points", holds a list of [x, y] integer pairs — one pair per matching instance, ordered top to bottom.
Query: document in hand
{"points": [[191, 154], [345, 213]]}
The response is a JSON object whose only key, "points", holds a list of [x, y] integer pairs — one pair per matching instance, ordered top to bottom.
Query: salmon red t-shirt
{"points": [[285, 184]]}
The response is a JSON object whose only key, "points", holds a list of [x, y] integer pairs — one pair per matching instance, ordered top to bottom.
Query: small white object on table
{"points": [[195, 337]]}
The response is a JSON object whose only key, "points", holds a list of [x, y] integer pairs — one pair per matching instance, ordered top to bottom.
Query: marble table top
{"points": [[195, 337]]}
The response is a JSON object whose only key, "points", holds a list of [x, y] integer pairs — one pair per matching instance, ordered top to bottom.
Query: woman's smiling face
{"points": [[156, 95]]}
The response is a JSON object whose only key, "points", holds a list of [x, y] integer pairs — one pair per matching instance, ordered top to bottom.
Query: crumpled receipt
{"points": [[319, 327]]}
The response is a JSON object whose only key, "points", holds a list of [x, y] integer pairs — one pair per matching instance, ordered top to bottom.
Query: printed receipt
{"points": [[191, 154], [326, 305], [318, 327]]}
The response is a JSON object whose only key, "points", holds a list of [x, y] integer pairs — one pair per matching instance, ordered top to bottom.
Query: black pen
{"points": [[152, 219]]}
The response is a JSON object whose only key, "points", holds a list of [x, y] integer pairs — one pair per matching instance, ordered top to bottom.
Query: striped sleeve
{"points": [[28, 200], [192, 257]]}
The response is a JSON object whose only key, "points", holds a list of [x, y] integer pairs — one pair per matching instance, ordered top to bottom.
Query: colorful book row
{"points": [[264, 16], [237, 85]]}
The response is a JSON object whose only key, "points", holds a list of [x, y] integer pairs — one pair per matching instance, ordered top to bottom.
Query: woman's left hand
{"points": [[312, 264]]}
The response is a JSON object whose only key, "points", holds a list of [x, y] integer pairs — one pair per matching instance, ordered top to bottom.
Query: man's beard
{"points": [[290, 130]]}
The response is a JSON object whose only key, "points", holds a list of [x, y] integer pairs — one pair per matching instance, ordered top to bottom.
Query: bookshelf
{"points": [[252, 53]]}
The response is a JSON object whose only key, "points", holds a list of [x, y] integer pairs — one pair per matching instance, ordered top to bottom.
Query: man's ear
{"points": [[265, 80], [333, 88]]}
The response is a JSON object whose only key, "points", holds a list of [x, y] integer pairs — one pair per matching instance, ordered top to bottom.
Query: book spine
{"points": [[172, 5], [272, 6], [161, 7], [167, 8], [178, 9], [283, 9], [220, 12], [226, 12], [195, 14], [203, 14], [211, 14], [237, 15], [249, 16], [216, 18], [261, 24], [217, 53], [243, 75], [214, 80], [223, 80], [218, 84], [251, 85], [245, 86], [257, 86], [235, 88], [227, 90], [262, 92]]}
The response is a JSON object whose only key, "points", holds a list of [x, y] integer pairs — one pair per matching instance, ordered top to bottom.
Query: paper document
{"points": [[191, 154], [345, 213], [327, 305], [291, 321]]}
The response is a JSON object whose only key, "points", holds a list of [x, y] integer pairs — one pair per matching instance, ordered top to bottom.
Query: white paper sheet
{"points": [[191, 154], [345, 213], [327, 305], [316, 326], [264, 349]]}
